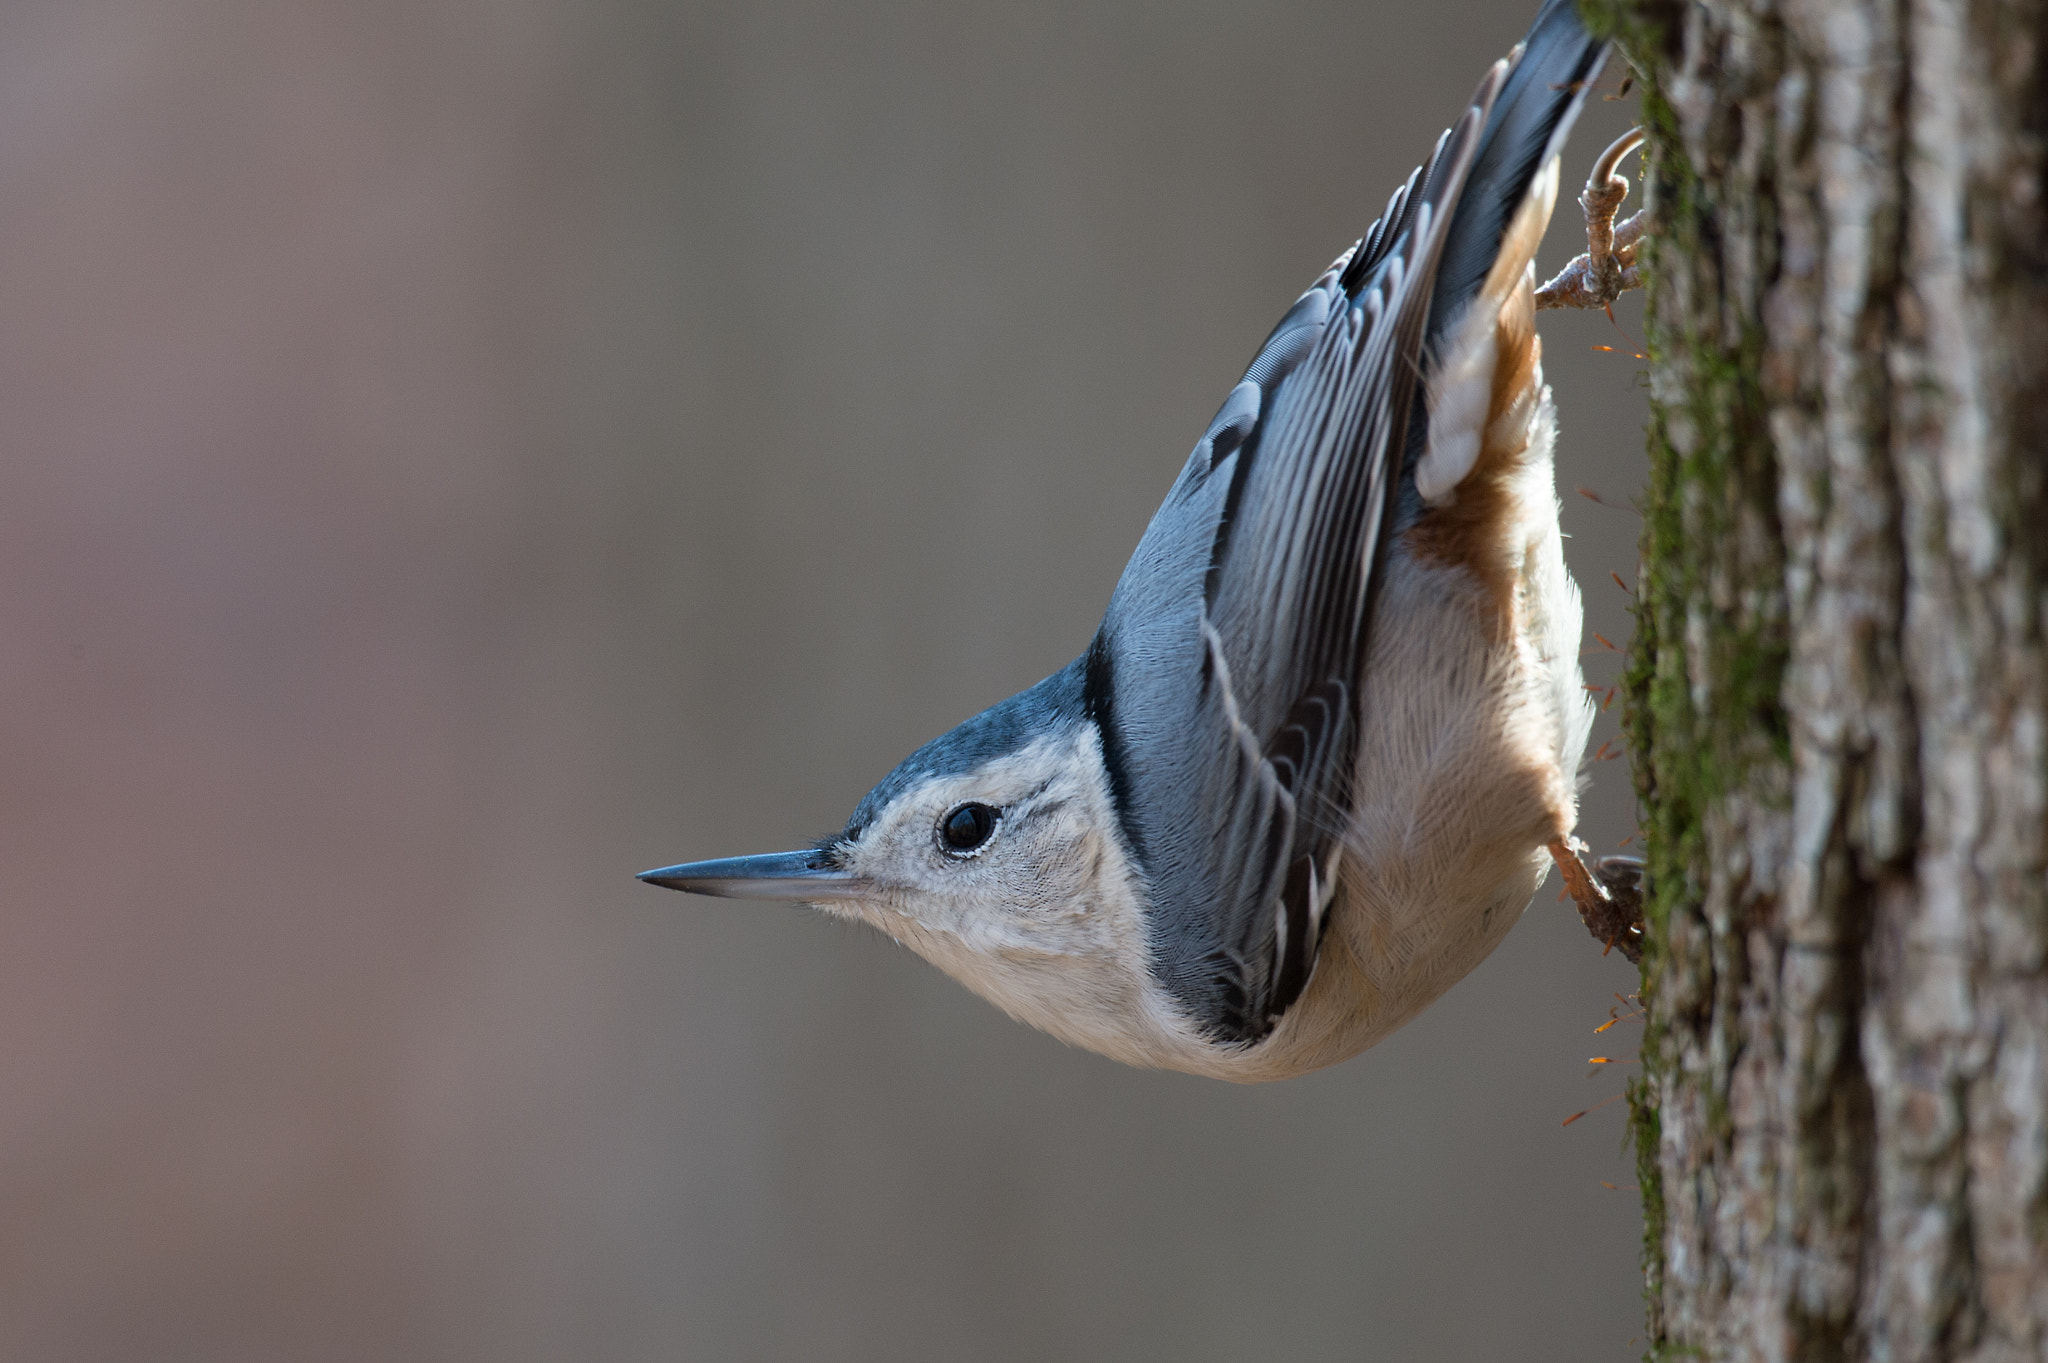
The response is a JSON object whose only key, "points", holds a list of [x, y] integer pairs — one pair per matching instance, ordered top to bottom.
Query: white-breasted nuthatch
{"points": [[1317, 759]]}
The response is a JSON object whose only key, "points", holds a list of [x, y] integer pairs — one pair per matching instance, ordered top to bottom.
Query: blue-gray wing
{"points": [[1225, 677]]}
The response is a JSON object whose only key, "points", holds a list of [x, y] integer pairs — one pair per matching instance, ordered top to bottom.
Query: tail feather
{"points": [[1524, 130], [1483, 431]]}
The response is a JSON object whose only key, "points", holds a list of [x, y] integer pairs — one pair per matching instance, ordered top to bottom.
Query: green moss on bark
{"points": [[1705, 670]]}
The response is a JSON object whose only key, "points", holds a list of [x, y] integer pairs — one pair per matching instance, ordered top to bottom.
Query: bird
{"points": [[1326, 743]]}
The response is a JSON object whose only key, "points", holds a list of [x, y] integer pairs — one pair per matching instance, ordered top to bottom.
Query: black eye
{"points": [[967, 827]]}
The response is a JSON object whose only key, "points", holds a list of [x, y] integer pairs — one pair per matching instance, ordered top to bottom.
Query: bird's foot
{"points": [[1608, 269], [1609, 895]]}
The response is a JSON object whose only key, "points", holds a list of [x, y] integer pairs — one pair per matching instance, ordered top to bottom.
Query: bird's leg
{"points": [[1608, 269], [1609, 895]]}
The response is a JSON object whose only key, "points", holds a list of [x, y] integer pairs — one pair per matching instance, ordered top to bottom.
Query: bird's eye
{"points": [[966, 828]]}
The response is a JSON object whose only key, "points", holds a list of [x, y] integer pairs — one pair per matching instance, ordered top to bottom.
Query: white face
{"points": [[1041, 916]]}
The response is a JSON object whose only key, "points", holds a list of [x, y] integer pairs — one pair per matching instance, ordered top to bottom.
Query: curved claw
{"points": [[1603, 172], [1607, 269]]}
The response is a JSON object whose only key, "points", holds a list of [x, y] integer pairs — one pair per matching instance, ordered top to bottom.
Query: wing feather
{"points": [[1287, 603], [1245, 744]]}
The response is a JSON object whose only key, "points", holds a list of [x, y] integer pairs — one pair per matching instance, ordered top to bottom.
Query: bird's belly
{"points": [[1465, 770]]}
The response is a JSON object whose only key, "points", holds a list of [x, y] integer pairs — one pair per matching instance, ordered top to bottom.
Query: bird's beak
{"points": [[778, 875]]}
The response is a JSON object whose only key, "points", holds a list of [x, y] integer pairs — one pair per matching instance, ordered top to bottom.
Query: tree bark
{"points": [[1839, 684]]}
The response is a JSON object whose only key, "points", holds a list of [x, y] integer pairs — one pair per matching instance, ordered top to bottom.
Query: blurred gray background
{"points": [[460, 454]]}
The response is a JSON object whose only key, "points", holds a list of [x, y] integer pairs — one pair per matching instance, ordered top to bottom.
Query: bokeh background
{"points": [[459, 453]]}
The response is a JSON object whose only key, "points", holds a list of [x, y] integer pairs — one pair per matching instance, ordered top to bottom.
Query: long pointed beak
{"points": [[777, 875]]}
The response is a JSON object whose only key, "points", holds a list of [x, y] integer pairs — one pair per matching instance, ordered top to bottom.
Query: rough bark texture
{"points": [[1839, 682]]}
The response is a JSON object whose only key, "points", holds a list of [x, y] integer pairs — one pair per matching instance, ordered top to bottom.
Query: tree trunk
{"points": [[1839, 683]]}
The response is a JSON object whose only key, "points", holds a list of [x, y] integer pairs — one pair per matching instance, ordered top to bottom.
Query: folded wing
{"points": [[1230, 699]]}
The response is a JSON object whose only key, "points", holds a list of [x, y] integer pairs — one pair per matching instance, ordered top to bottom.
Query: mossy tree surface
{"points": [[1839, 685]]}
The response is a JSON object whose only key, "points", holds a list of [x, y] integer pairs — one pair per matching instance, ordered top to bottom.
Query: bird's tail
{"points": [[1525, 128], [1480, 355]]}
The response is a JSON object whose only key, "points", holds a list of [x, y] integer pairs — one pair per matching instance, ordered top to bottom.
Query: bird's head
{"points": [[994, 852]]}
